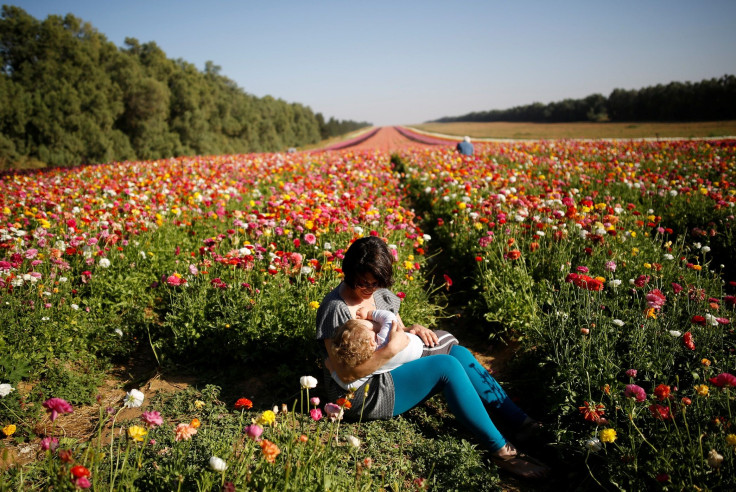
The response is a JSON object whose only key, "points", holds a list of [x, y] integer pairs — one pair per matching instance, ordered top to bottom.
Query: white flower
{"points": [[358, 230], [427, 237], [697, 245], [327, 246], [705, 249], [143, 254], [669, 257], [104, 263], [306, 270], [614, 283], [74, 306], [711, 319], [618, 322], [119, 332], [675, 333], [308, 382], [6, 389], [133, 399], [355, 442], [593, 445], [715, 459], [217, 464]]}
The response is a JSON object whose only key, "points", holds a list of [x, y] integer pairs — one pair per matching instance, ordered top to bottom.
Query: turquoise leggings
{"points": [[469, 389]]}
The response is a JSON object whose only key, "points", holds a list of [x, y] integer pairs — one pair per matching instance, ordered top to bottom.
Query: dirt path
{"points": [[388, 139]]}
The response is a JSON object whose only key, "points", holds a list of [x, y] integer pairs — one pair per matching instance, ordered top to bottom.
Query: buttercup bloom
{"points": [[308, 382], [6, 389], [701, 389], [634, 391], [133, 399], [243, 403], [57, 406], [267, 418], [152, 419], [9, 430], [253, 431], [184, 432], [137, 433], [607, 435], [731, 439], [270, 450], [217, 464]]}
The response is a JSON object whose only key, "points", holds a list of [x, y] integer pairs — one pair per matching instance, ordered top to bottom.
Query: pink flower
{"points": [[310, 238], [31, 253], [611, 266], [582, 269], [175, 280], [641, 280], [676, 288], [655, 299], [723, 321], [631, 373], [724, 379], [634, 391], [314, 400], [57, 406], [334, 411], [316, 414], [152, 419], [254, 431], [184, 432], [49, 443], [82, 483]]}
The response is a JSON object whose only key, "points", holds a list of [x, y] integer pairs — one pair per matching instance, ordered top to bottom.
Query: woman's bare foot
{"points": [[529, 429], [509, 459]]}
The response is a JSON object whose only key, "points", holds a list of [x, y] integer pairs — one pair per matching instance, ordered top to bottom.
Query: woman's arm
{"points": [[429, 338], [348, 374]]}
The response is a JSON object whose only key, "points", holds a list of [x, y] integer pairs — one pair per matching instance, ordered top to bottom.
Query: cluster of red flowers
{"points": [[584, 281]]}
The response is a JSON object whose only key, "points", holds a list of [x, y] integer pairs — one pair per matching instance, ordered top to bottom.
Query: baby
{"points": [[357, 339]]}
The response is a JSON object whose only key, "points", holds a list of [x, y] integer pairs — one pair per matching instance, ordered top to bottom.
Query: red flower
{"points": [[514, 255], [641, 280], [448, 281], [676, 288], [401, 295], [698, 320], [687, 339], [724, 379], [662, 391], [243, 403], [345, 403], [592, 412], [660, 412], [80, 471]]}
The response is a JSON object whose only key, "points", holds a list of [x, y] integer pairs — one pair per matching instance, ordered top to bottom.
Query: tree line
{"points": [[69, 96], [708, 100]]}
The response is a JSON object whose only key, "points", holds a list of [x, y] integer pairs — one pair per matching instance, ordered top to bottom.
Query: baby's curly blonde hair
{"points": [[352, 343]]}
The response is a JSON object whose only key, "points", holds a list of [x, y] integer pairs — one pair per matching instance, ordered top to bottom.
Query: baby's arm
{"points": [[384, 319]]}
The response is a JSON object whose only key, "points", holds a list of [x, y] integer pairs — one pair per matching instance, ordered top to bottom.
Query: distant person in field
{"points": [[465, 147], [472, 393]]}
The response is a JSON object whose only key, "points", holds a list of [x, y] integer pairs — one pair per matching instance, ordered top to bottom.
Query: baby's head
{"points": [[354, 342]]}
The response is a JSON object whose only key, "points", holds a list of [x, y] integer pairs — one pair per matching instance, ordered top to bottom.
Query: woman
{"points": [[469, 389]]}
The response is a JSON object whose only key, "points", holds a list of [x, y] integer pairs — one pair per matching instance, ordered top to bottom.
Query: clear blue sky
{"points": [[403, 62]]}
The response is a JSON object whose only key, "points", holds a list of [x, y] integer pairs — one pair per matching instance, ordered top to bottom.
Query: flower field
{"points": [[612, 263]]}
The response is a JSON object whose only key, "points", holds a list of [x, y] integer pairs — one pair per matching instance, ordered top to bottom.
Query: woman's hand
{"points": [[429, 337]]}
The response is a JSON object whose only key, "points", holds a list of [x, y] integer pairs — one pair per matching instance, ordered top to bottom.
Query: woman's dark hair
{"points": [[368, 255]]}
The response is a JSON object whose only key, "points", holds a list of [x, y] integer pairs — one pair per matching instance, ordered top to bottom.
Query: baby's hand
{"points": [[361, 313]]}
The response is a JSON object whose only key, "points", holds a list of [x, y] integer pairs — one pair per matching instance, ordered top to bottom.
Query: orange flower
{"points": [[514, 255], [243, 403], [344, 403], [592, 412], [195, 423], [270, 450]]}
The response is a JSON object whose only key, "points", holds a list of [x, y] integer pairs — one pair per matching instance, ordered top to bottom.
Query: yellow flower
{"points": [[314, 304], [702, 389], [199, 404], [267, 418], [9, 430], [137, 433], [607, 435], [731, 439]]}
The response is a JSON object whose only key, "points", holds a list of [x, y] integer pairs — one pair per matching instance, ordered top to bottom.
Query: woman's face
{"points": [[365, 285]]}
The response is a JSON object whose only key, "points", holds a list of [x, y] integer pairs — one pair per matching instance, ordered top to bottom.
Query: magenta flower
{"points": [[611, 266], [582, 269], [175, 280], [677, 288], [655, 299], [631, 373], [724, 379], [634, 391], [314, 401], [57, 406], [333, 411], [315, 414], [152, 419], [254, 431], [49, 443], [82, 483]]}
